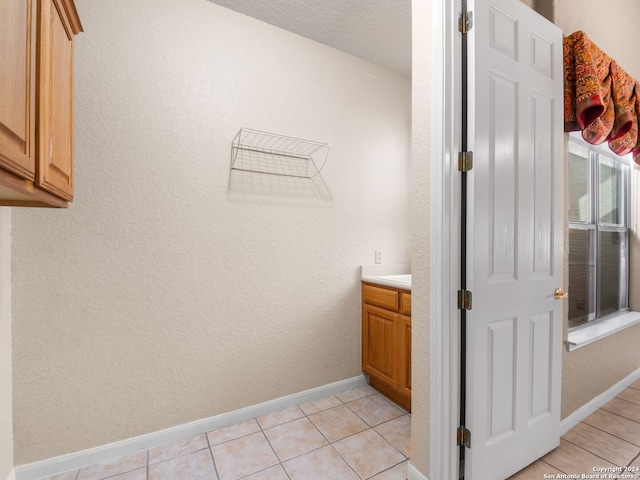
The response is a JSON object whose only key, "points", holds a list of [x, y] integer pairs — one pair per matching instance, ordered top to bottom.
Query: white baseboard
{"points": [[598, 402], [64, 463], [12, 474], [414, 474]]}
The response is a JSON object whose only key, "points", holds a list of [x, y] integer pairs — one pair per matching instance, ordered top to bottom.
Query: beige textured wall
{"points": [[611, 27], [421, 230], [170, 290], [592, 369], [6, 403]]}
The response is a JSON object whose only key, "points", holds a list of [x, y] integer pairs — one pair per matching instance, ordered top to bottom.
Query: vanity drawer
{"points": [[381, 297]]}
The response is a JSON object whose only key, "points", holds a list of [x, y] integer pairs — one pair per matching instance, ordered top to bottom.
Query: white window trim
{"points": [[608, 326]]}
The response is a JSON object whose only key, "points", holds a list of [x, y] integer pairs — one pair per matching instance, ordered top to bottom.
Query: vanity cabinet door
{"points": [[379, 345], [403, 376]]}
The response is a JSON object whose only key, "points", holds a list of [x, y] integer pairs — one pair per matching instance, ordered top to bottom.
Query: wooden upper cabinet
{"points": [[58, 24], [18, 87], [36, 101]]}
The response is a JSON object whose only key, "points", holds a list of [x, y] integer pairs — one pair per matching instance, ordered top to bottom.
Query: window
{"points": [[599, 191]]}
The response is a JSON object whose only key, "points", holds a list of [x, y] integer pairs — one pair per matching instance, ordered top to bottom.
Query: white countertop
{"points": [[396, 276]]}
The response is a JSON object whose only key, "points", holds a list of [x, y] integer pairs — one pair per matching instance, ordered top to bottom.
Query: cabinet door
{"points": [[17, 87], [55, 155], [379, 347], [404, 356]]}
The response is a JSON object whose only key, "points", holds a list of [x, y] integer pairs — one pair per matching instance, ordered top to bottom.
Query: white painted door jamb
{"points": [[445, 219]]}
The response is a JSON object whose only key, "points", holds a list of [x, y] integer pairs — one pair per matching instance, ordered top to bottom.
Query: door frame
{"points": [[445, 237]]}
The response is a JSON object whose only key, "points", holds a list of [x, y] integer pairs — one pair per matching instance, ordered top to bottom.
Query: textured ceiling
{"points": [[376, 30]]}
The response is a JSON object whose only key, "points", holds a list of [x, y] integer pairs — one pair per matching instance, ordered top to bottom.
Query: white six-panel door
{"points": [[516, 242]]}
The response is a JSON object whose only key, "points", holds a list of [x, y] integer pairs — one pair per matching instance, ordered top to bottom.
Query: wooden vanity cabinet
{"points": [[36, 102], [386, 341]]}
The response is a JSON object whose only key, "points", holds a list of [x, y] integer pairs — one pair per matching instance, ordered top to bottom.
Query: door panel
{"points": [[17, 87], [55, 162], [502, 177], [543, 177], [516, 230], [501, 352], [541, 356]]}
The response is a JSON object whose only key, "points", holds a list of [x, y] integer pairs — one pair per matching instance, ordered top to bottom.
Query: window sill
{"points": [[592, 333]]}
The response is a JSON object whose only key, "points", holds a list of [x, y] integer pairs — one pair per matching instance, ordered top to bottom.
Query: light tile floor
{"points": [[355, 435], [359, 435], [610, 438]]}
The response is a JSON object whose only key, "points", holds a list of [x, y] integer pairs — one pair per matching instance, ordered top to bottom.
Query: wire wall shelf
{"points": [[262, 152]]}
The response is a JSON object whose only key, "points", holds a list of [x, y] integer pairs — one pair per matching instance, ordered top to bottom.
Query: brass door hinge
{"points": [[465, 22], [465, 161], [464, 300], [464, 437]]}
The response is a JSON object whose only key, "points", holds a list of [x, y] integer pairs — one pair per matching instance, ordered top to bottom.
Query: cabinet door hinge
{"points": [[465, 22], [465, 161], [464, 299], [464, 437]]}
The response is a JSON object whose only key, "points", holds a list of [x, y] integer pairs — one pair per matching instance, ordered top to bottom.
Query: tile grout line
{"points": [[633, 402], [618, 414], [305, 415], [372, 428], [262, 430], [612, 434], [232, 439], [329, 443], [390, 444], [592, 453], [213, 460], [158, 462], [553, 466], [387, 469]]}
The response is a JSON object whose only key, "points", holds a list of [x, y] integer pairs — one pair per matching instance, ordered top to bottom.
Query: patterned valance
{"points": [[600, 98]]}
